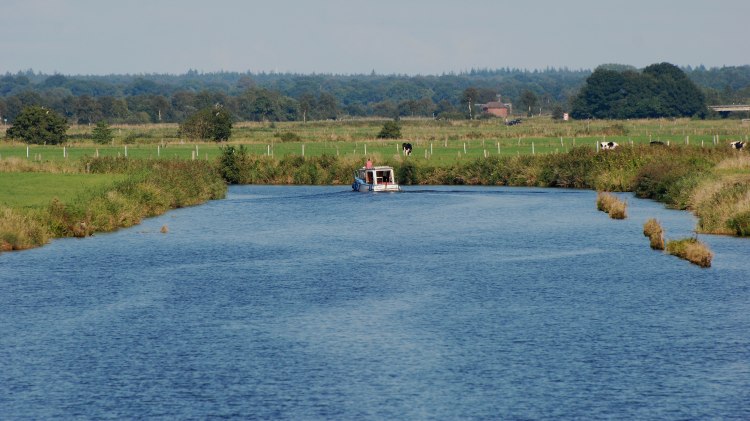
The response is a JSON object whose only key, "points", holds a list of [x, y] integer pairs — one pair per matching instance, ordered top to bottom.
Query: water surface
{"points": [[436, 303]]}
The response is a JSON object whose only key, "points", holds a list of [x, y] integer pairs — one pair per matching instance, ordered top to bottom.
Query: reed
{"points": [[148, 189], [612, 205], [722, 205], [21, 230], [653, 230], [692, 250]]}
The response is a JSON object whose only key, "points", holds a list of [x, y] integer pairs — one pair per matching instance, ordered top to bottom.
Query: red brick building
{"points": [[498, 109]]}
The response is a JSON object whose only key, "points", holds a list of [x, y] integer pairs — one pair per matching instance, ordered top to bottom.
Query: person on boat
{"points": [[369, 163]]}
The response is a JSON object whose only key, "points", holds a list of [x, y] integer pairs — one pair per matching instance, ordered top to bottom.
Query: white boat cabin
{"points": [[379, 178]]}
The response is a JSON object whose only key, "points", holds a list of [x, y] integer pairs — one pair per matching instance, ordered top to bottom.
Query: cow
{"points": [[513, 122], [656, 143], [737, 144], [608, 145], [407, 148]]}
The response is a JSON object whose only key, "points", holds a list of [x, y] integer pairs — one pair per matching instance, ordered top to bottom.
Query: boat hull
{"points": [[368, 188]]}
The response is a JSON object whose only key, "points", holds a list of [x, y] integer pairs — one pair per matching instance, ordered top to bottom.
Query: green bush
{"points": [[390, 130], [288, 137]]}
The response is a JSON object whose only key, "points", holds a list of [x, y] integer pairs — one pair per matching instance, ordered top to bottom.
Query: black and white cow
{"points": [[737, 144], [608, 145], [407, 148]]}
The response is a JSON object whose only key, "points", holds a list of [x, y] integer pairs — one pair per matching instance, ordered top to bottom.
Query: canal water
{"points": [[437, 303]]}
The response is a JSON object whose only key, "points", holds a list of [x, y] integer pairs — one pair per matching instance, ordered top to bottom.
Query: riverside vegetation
{"points": [[700, 174], [129, 191], [612, 205], [690, 249]]}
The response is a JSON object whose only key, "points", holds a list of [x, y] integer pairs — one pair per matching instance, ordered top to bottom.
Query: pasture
{"points": [[442, 142], [36, 189]]}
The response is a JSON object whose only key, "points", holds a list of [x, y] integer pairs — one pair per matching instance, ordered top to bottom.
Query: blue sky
{"points": [[357, 36]]}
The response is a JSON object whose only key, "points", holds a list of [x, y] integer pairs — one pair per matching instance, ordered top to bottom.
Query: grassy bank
{"points": [[148, 169], [114, 193]]}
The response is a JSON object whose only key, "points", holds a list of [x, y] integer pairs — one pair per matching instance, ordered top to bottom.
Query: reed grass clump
{"points": [[611, 204], [722, 205], [21, 230], [655, 233], [691, 250]]}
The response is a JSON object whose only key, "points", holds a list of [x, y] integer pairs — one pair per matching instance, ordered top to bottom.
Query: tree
{"points": [[661, 90], [678, 95], [469, 97], [528, 100], [306, 104], [327, 106], [88, 110], [557, 112], [214, 123], [40, 126], [390, 130], [102, 133]]}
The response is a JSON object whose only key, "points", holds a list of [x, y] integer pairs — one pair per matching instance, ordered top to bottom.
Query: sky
{"points": [[99, 37]]}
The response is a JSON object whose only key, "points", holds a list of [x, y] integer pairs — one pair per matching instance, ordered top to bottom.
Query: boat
{"points": [[375, 179]]}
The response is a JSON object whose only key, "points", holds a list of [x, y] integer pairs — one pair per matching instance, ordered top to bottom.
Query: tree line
{"points": [[153, 98]]}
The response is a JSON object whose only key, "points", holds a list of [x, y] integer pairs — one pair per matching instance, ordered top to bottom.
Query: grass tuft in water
{"points": [[609, 203], [653, 230], [691, 250]]}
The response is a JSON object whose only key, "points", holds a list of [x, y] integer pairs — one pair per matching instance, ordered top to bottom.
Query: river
{"points": [[435, 303]]}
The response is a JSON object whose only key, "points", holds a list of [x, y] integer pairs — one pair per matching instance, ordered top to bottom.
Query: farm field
{"points": [[442, 142]]}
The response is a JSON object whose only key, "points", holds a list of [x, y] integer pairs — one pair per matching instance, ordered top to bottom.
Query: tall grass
{"points": [[149, 188], [611, 204], [722, 205], [21, 230], [655, 233], [691, 250]]}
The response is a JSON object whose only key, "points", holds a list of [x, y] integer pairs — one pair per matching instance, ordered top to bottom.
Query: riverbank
{"points": [[713, 183], [131, 190]]}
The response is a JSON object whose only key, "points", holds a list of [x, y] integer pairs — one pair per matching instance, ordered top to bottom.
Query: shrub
{"points": [[390, 130], [102, 133], [288, 137], [230, 161], [406, 174], [740, 223], [691, 250]]}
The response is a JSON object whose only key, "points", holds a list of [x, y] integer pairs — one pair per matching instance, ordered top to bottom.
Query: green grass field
{"points": [[443, 142], [30, 189]]}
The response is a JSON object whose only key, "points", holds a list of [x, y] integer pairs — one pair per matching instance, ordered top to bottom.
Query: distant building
{"points": [[496, 108]]}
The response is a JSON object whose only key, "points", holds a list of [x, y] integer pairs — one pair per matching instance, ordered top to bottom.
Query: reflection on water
{"points": [[436, 303]]}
